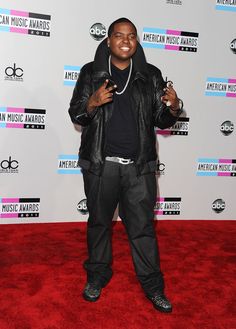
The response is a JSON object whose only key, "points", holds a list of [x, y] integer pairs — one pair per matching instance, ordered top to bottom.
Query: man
{"points": [[118, 99]]}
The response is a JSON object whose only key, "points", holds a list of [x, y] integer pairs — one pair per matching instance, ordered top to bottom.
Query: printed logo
{"points": [[174, 2], [228, 5], [24, 22], [98, 31], [169, 39], [233, 46], [14, 73], [71, 74], [220, 87], [14, 117], [181, 127], [227, 127], [68, 164], [9, 166], [216, 167], [160, 168], [218, 205], [167, 206], [19, 207], [82, 207]]}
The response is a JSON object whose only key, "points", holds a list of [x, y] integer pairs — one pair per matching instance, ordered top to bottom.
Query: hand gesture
{"points": [[102, 95], [170, 98]]}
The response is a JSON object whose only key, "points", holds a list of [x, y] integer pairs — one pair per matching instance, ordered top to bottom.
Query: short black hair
{"points": [[117, 21]]}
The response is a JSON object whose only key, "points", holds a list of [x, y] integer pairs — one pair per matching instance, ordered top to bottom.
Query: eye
{"points": [[118, 35], [132, 36]]}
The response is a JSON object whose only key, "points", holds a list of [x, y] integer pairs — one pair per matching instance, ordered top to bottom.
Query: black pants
{"points": [[136, 196]]}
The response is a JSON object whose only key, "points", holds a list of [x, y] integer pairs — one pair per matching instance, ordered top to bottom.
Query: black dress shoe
{"points": [[92, 291], [161, 303]]}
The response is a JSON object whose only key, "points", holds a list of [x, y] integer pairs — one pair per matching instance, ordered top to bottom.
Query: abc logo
{"points": [[97, 31], [233, 46], [227, 127], [160, 168], [218, 205], [82, 207]]}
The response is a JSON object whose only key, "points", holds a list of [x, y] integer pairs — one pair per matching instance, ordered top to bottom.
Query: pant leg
{"points": [[102, 199], [137, 202]]}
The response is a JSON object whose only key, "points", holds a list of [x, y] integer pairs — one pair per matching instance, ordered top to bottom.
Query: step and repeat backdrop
{"points": [[44, 44]]}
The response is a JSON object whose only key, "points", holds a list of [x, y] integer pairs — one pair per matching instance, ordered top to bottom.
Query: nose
{"points": [[126, 39]]}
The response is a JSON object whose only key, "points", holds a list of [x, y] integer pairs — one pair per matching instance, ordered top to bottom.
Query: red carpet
{"points": [[42, 277]]}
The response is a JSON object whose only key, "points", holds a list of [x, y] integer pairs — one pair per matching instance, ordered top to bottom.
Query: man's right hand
{"points": [[101, 96]]}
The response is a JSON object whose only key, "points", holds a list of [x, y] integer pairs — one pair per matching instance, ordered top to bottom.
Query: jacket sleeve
{"points": [[78, 104], [163, 118]]}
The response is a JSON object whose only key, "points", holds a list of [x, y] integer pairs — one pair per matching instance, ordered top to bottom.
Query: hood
{"points": [[103, 52]]}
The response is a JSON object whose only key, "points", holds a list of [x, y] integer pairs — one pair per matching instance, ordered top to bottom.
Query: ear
{"points": [[108, 42]]}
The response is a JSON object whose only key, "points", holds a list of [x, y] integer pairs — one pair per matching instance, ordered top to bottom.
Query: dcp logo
{"points": [[97, 31], [233, 46], [14, 72], [227, 127], [9, 164], [218, 205], [82, 207]]}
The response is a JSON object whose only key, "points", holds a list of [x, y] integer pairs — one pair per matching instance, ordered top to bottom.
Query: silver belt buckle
{"points": [[119, 160], [124, 161]]}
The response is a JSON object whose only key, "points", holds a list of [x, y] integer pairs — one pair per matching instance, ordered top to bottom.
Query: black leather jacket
{"points": [[146, 90]]}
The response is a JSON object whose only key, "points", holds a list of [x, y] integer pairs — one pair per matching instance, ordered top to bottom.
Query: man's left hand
{"points": [[171, 99]]}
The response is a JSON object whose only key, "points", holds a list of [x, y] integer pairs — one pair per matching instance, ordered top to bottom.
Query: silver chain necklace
{"points": [[127, 82]]}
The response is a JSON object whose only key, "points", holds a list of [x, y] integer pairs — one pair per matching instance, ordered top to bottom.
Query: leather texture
{"points": [[92, 291], [161, 303]]}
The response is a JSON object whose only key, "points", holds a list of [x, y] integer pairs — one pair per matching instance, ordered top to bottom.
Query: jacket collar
{"points": [[100, 64]]}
